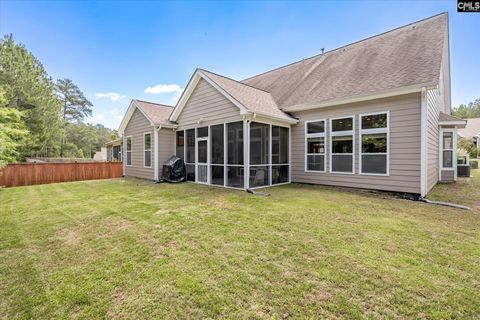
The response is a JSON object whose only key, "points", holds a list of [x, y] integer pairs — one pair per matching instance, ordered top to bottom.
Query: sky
{"points": [[116, 51]]}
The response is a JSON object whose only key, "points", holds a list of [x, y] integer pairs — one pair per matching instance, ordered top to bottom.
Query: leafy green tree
{"points": [[27, 88], [472, 110], [12, 132], [88, 138], [468, 146]]}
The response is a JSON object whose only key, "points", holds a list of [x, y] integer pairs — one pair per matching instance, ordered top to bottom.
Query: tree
{"points": [[27, 88], [75, 106], [472, 110], [12, 132], [88, 139], [468, 146]]}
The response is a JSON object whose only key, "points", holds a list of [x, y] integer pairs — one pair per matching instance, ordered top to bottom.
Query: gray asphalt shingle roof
{"points": [[406, 56], [255, 100], [158, 113]]}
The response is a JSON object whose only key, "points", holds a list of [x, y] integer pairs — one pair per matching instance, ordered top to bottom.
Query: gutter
{"points": [[359, 98]]}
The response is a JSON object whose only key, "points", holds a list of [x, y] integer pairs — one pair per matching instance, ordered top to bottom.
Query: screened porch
{"points": [[217, 155]]}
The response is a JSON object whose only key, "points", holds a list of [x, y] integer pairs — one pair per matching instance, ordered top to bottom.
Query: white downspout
{"points": [[423, 144], [155, 153]]}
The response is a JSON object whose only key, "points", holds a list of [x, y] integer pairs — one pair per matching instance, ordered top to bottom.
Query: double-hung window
{"points": [[374, 143], [342, 145], [315, 146], [447, 149], [128, 150], [147, 150]]}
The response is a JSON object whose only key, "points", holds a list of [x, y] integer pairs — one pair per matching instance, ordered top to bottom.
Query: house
{"points": [[374, 114], [471, 131], [114, 150]]}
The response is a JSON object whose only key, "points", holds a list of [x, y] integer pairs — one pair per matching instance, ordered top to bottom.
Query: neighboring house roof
{"points": [[404, 57], [156, 114], [472, 129], [112, 143]]}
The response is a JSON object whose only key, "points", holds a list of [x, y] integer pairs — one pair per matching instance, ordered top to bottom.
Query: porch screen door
{"points": [[202, 154]]}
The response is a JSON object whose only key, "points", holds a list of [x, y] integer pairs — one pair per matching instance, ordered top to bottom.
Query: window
{"points": [[374, 136], [128, 143], [180, 144], [342, 145], [315, 146], [147, 150], [447, 150], [217, 155], [235, 169]]}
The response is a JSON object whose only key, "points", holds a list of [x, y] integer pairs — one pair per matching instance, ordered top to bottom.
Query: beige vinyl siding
{"points": [[208, 105], [433, 113], [136, 127], [404, 145], [166, 147], [447, 176]]}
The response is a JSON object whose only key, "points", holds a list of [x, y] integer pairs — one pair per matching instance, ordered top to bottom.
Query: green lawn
{"points": [[116, 249]]}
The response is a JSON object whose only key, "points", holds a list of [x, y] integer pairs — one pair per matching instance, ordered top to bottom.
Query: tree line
{"points": [[467, 111], [40, 116]]}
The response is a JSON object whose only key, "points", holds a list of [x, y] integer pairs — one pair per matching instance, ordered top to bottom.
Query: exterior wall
{"points": [[207, 105], [433, 112], [405, 125], [136, 127], [166, 147], [447, 176]]}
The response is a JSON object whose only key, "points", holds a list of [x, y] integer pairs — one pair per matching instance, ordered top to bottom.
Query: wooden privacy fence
{"points": [[25, 174]]}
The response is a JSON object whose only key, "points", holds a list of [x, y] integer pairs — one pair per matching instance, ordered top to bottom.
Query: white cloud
{"points": [[165, 88], [109, 95]]}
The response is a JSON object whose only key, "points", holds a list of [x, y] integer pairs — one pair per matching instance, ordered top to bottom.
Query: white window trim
{"points": [[373, 131], [144, 134], [341, 134], [316, 135], [454, 148], [127, 151]]}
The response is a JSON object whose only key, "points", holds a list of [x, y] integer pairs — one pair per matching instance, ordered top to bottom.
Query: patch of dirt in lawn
{"points": [[117, 226], [108, 228], [69, 236]]}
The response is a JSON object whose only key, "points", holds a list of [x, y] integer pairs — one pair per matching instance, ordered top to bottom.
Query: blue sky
{"points": [[116, 51]]}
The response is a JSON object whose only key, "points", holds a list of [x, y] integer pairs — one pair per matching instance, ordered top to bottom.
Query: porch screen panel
{"points": [[180, 147], [217, 154], [259, 154], [280, 154], [190, 161], [235, 164]]}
